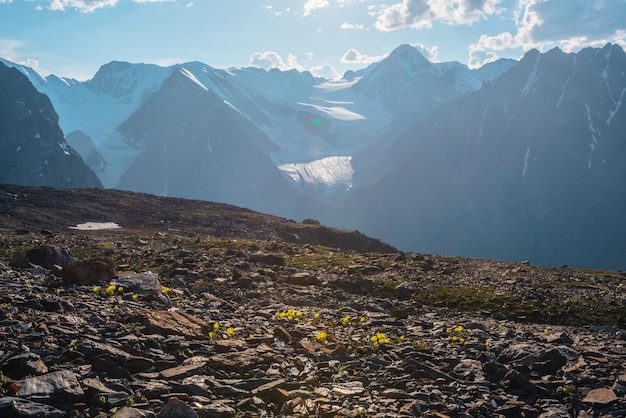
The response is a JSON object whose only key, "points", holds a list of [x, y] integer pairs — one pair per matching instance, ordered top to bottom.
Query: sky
{"points": [[73, 38]]}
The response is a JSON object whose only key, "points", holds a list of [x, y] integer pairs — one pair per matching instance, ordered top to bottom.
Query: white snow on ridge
{"points": [[192, 77], [335, 85]]}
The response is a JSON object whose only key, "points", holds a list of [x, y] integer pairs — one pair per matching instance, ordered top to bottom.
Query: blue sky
{"points": [[73, 38]]}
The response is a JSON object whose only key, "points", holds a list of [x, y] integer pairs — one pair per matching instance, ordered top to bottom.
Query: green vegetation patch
{"points": [[326, 259], [569, 311]]}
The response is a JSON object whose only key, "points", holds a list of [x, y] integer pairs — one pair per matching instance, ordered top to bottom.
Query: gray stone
{"points": [[57, 385], [17, 407], [177, 409]]}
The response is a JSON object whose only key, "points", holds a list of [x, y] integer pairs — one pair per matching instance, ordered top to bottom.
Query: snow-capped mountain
{"points": [[312, 123], [192, 144], [33, 151], [516, 159], [531, 166]]}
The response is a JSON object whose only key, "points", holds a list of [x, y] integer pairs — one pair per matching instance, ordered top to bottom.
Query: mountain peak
{"points": [[409, 54]]}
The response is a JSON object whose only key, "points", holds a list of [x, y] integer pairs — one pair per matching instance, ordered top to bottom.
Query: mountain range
{"points": [[519, 159]]}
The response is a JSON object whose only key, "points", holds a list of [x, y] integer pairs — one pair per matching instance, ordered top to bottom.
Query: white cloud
{"points": [[5, 1], [154, 1], [190, 4], [311, 5], [83, 6], [422, 13], [581, 23], [545, 24], [346, 25], [8, 48], [482, 52], [431, 54], [309, 56], [353, 56], [271, 59], [266, 60], [34, 64], [326, 71]]}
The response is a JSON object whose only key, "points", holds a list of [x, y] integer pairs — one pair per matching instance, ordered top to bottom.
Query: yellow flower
{"points": [[96, 289], [120, 289], [165, 289], [110, 290], [135, 296], [317, 315], [346, 319], [362, 319], [216, 326], [459, 328], [230, 331], [547, 331], [212, 335], [321, 336], [251, 337], [374, 338], [401, 338], [454, 338], [462, 340], [487, 343]]}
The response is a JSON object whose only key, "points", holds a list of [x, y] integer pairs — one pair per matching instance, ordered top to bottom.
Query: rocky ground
{"points": [[183, 322]]}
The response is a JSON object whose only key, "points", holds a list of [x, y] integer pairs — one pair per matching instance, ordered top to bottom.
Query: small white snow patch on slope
{"points": [[526, 156], [93, 226]]}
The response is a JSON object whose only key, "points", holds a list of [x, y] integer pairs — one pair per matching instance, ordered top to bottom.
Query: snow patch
{"points": [[192, 77], [532, 77], [558, 104], [618, 104], [338, 112], [482, 121], [594, 132], [526, 157], [332, 171], [93, 226]]}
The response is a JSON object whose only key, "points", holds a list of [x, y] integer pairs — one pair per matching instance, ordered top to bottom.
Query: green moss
{"points": [[326, 259], [389, 286]]}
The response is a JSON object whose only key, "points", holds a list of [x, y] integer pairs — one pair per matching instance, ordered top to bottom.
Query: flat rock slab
{"points": [[177, 323], [243, 360], [56, 385], [602, 396], [17, 407]]}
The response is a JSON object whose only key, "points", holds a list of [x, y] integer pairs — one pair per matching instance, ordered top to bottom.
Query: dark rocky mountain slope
{"points": [[192, 144], [32, 148], [530, 167]]}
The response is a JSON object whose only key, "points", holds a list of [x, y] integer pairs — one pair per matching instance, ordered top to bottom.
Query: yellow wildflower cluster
{"points": [[109, 290], [289, 314], [350, 321], [214, 333], [458, 334], [321, 336], [380, 338]]}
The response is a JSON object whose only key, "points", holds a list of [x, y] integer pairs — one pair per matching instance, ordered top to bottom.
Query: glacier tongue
{"points": [[328, 175]]}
